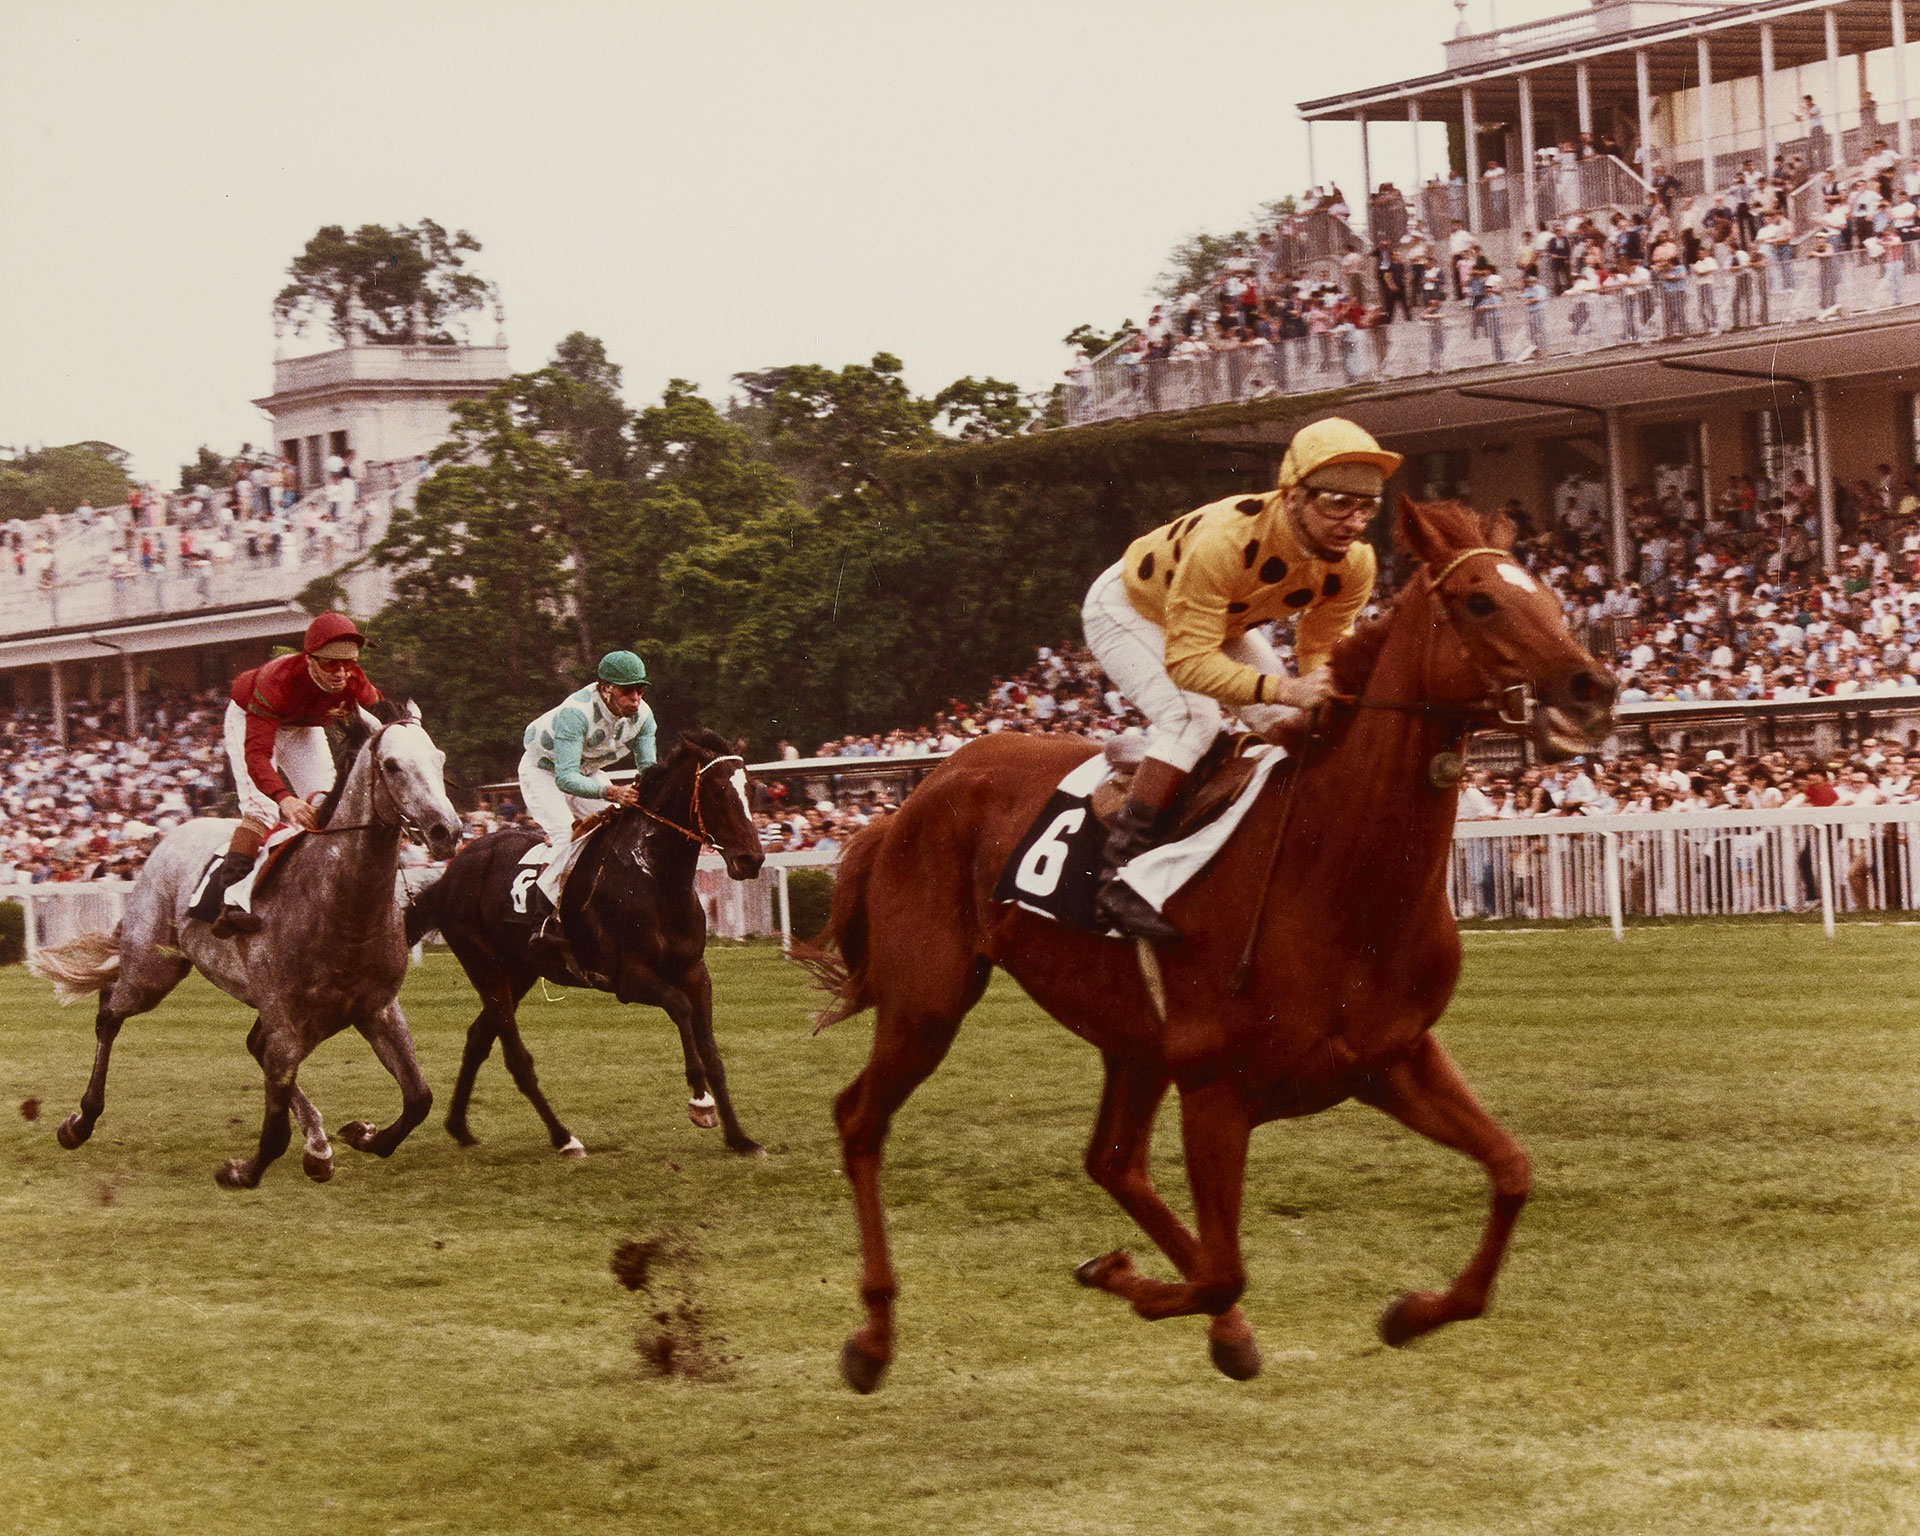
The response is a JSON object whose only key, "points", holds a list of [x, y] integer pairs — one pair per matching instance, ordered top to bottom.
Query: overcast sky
{"points": [[708, 188]]}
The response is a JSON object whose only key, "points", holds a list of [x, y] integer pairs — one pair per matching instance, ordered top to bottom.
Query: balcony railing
{"points": [[1574, 27], [1774, 294], [391, 364]]}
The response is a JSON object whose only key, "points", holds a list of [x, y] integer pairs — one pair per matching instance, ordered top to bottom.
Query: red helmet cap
{"points": [[328, 628]]}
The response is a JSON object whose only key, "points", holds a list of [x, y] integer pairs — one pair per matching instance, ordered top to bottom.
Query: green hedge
{"points": [[811, 892], [13, 933]]}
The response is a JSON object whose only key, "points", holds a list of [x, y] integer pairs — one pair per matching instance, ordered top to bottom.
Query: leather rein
{"points": [[400, 818], [702, 837]]}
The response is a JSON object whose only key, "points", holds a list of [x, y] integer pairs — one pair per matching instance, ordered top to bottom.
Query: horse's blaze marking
{"points": [[1514, 576], [738, 779]]}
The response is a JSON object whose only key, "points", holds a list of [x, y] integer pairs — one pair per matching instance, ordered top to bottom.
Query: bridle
{"points": [[1512, 706], [400, 818], [701, 837]]}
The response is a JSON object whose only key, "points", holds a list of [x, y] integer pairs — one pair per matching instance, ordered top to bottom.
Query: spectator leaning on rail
{"points": [[1173, 622], [277, 746], [568, 749]]}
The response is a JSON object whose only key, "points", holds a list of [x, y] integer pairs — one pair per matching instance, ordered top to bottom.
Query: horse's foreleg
{"points": [[698, 985], [392, 1043], [905, 1052], [280, 1055], [1426, 1093], [77, 1127], [1215, 1128], [316, 1157], [1117, 1160]]}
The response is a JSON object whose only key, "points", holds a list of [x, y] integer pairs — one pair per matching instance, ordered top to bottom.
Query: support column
{"points": [[1900, 78], [1643, 82], [1583, 95], [1766, 97], [1413, 124], [1470, 131], [1834, 156], [1709, 168], [1366, 173], [1313, 178], [1530, 193], [1703, 458], [1823, 472], [1617, 491], [57, 691], [131, 694]]}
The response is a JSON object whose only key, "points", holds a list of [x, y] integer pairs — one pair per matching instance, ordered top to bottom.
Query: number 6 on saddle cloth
{"points": [[1054, 869]]}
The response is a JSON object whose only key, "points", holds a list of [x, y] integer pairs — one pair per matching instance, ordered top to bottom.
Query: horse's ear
{"points": [[1498, 530], [1413, 534], [412, 711], [361, 724]]}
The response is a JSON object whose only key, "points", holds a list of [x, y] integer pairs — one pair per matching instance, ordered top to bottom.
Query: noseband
{"points": [[702, 837]]}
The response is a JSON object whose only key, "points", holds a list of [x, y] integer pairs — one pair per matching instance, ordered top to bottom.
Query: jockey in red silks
{"points": [[1175, 622], [277, 745]]}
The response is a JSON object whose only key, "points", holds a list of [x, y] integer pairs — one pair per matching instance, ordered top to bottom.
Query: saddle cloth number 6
{"points": [[1040, 870]]}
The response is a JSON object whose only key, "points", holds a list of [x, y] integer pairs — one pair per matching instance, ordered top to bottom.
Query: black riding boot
{"points": [[231, 868], [1118, 903]]}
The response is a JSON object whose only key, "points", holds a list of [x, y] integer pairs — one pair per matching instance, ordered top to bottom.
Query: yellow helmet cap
{"points": [[1321, 445]]}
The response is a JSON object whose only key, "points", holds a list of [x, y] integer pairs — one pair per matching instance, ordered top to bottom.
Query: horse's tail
{"points": [[424, 910], [838, 957], [80, 967]]}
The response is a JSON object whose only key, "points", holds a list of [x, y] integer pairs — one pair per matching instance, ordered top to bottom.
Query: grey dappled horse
{"points": [[331, 952]]}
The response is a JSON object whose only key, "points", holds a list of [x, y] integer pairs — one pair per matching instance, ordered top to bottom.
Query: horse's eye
{"points": [[1480, 605], [392, 765]]}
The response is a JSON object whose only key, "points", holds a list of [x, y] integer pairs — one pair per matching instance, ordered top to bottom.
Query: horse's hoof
{"points": [[703, 1113], [72, 1133], [357, 1134], [461, 1134], [573, 1148], [319, 1169], [232, 1174], [1096, 1272], [1407, 1317], [1233, 1348], [864, 1372]]}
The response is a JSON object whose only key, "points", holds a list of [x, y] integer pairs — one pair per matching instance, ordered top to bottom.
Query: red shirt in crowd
{"points": [[282, 692], [1821, 793]]}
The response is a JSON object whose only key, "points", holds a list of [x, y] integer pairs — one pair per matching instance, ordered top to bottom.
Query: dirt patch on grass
{"points": [[29, 1109], [675, 1338]]}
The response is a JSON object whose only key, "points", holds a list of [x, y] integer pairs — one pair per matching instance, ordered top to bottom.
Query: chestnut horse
{"points": [[1334, 888]]}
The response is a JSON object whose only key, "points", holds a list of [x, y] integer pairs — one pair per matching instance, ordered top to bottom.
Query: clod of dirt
{"points": [[29, 1109], [675, 1339]]}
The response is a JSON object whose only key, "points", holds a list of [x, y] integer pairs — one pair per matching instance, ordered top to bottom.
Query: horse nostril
{"points": [[1588, 689]]}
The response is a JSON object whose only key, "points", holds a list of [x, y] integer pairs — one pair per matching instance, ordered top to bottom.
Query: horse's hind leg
{"points": [[138, 988], [480, 1038], [392, 1043], [907, 1045], [1427, 1093], [316, 1156], [1117, 1159]]}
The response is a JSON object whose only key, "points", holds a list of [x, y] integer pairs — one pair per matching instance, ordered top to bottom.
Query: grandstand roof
{"points": [[207, 626]]}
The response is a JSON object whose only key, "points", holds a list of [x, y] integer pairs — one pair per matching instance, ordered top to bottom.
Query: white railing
{"points": [[1683, 305], [94, 596], [1597, 868]]}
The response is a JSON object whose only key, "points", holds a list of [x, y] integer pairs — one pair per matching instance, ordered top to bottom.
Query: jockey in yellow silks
{"points": [[1174, 623]]}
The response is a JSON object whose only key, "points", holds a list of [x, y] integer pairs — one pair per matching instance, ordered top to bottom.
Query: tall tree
{"points": [[408, 282], [829, 429], [62, 478]]}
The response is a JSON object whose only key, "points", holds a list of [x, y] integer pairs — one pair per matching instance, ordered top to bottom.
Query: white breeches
{"points": [[1132, 649], [300, 752], [556, 811]]}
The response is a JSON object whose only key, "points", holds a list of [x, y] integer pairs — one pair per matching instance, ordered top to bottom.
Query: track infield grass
{"points": [[1709, 1320]]}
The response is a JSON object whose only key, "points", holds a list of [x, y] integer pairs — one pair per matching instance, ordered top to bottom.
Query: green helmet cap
{"points": [[622, 667]]}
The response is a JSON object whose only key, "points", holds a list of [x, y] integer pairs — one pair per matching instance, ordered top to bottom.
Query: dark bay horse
{"points": [[1338, 873], [632, 920], [329, 955]]}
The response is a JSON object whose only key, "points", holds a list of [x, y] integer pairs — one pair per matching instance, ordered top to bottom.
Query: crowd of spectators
{"points": [[1288, 285], [256, 517]]}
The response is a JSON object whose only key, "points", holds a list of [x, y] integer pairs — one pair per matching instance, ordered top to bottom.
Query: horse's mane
{"points": [[1451, 525], [354, 738], [699, 743]]}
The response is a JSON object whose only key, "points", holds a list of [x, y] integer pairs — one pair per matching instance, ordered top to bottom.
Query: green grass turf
{"points": [[1709, 1321]]}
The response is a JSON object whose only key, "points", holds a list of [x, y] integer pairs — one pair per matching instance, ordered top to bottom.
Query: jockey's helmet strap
{"points": [[1467, 554]]}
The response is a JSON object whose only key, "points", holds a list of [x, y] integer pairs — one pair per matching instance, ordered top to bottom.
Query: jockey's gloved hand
{"points": [[1308, 692], [623, 794], [297, 812]]}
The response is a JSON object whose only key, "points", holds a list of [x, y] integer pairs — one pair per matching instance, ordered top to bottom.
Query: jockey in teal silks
{"points": [[563, 775]]}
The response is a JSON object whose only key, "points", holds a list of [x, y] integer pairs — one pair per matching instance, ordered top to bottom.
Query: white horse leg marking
{"points": [[573, 1148]]}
